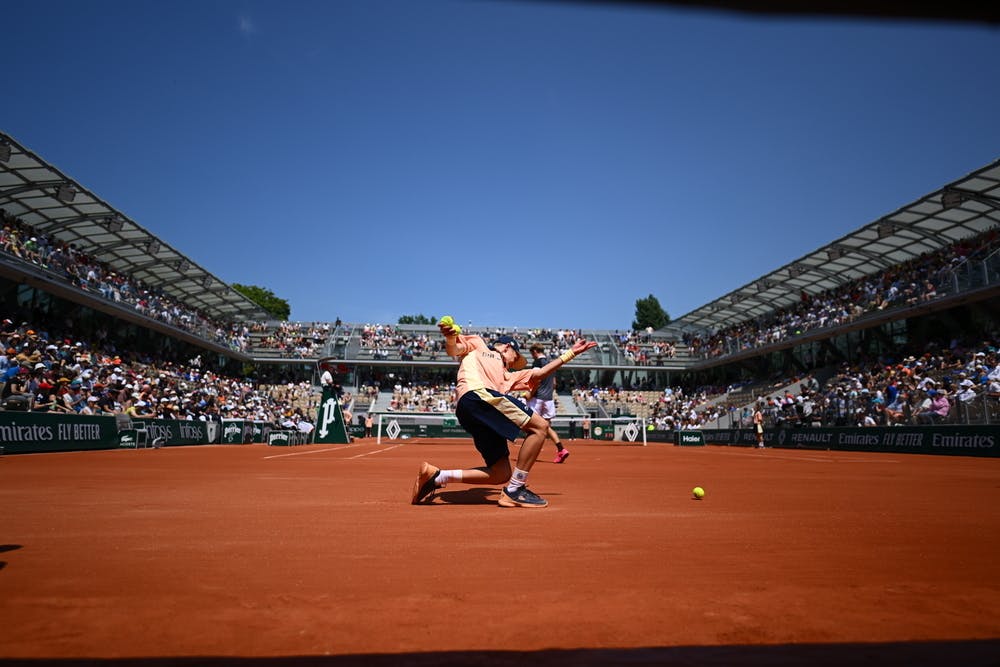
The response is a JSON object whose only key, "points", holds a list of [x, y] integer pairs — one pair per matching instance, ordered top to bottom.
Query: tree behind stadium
{"points": [[266, 299], [649, 313], [416, 319]]}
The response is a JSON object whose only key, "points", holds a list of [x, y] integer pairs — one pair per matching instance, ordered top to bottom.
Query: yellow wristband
{"points": [[567, 356]]}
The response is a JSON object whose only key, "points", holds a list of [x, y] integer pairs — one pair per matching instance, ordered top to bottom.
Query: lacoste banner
{"points": [[330, 427], [977, 440]]}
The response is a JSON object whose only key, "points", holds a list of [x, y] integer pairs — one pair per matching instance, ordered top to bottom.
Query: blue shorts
{"points": [[491, 418]]}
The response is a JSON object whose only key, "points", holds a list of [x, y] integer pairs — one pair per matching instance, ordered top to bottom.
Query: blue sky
{"points": [[509, 163]]}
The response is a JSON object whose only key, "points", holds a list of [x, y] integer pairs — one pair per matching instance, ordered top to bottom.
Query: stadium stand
{"points": [[859, 332]]}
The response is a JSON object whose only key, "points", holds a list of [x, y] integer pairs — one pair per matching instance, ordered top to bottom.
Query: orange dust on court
{"points": [[255, 555]]}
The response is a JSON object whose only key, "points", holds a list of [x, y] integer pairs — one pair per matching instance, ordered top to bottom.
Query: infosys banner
{"points": [[177, 431], [943, 439]]}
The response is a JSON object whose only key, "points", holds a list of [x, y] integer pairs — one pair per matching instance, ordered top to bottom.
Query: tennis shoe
{"points": [[561, 456], [425, 485], [521, 498]]}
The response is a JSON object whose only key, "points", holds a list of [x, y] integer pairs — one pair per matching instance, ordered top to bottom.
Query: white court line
{"points": [[314, 451], [378, 451]]}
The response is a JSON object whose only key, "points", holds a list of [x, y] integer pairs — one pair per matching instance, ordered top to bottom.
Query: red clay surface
{"points": [[250, 555]]}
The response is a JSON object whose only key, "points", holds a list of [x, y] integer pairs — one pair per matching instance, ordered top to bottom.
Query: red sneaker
{"points": [[561, 456]]}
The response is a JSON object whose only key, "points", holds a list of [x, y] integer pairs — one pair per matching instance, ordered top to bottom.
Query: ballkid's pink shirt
{"points": [[482, 368]]}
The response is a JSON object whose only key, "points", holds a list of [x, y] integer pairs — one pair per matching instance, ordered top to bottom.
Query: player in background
{"points": [[543, 401], [492, 416], [758, 425]]}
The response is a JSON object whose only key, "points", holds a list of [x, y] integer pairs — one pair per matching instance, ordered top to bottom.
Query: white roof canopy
{"points": [[54, 204], [960, 210]]}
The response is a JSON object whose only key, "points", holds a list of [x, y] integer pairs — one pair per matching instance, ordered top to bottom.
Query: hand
{"points": [[581, 346]]}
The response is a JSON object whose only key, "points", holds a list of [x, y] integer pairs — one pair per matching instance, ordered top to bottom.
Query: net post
{"points": [[642, 423], [378, 436]]}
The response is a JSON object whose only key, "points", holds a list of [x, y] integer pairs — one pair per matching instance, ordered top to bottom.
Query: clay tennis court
{"points": [[255, 555]]}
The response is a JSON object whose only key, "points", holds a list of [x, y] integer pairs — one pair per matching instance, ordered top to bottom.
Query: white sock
{"points": [[446, 476], [517, 480]]}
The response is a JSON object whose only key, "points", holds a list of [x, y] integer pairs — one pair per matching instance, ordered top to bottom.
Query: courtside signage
{"points": [[32, 432], [690, 439], [968, 440]]}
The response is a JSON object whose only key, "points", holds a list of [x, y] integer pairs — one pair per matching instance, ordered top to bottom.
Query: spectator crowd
{"points": [[69, 264], [917, 281], [61, 373], [943, 384]]}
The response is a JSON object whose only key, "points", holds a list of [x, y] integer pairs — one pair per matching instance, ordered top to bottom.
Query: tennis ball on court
{"points": [[698, 493]]}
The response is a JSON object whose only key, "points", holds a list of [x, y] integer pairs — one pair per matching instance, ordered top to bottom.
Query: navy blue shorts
{"points": [[492, 418]]}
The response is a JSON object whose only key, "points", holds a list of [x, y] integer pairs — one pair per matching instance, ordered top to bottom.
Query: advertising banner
{"points": [[330, 427], [233, 431], [23, 432], [32, 432], [690, 439], [977, 440]]}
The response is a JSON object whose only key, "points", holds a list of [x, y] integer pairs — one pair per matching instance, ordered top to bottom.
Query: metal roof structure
{"points": [[941, 12], [56, 205], [959, 210]]}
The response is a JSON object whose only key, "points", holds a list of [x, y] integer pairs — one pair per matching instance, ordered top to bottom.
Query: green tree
{"points": [[266, 299], [649, 313], [416, 319]]}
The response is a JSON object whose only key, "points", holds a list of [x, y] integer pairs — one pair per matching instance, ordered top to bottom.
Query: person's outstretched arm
{"points": [[579, 347]]}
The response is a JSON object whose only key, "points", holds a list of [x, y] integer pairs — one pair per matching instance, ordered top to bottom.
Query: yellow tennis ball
{"points": [[449, 322], [698, 493]]}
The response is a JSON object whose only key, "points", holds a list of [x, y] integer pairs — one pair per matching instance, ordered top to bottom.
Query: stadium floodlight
{"points": [[4, 151], [66, 193], [951, 198], [114, 224], [885, 229], [153, 247], [836, 252], [183, 265], [796, 270], [206, 282], [764, 285]]}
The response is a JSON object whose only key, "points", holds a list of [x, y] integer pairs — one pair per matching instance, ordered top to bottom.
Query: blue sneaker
{"points": [[521, 498]]}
